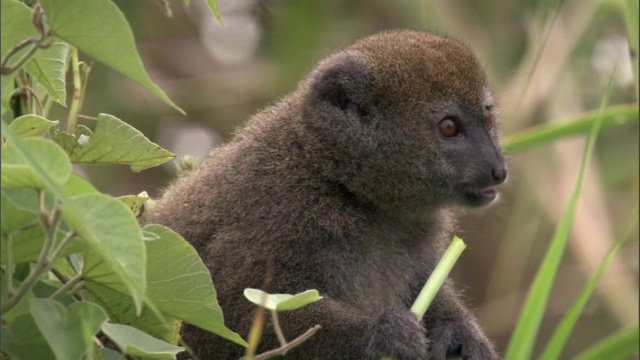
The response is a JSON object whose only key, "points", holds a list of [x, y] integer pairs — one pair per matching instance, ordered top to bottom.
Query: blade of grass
{"points": [[629, 10], [537, 135], [437, 278], [565, 328], [526, 331], [621, 345]]}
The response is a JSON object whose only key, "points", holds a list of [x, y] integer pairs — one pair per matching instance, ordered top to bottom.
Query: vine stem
{"points": [[36, 18], [5, 69], [72, 119], [50, 221], [63, 244], [9, 264], [68, 286]]}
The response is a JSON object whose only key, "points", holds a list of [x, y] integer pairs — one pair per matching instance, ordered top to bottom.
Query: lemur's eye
{"points": [[487, 120], [448, 127]]}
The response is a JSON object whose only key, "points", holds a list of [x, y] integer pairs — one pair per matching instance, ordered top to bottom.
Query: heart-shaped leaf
{"points": [[99, 29], [31, 125], [112, 142], [16, 172], [117, 256], [69, 331], [23, 340]]}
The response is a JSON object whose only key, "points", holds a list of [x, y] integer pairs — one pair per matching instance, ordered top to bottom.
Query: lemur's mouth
{"points": [[480, 197]]}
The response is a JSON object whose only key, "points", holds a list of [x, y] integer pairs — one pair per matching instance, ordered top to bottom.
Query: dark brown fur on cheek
{"points": [[335, 186]]}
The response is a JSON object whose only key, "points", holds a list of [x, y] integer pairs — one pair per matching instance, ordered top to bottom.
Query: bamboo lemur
{"points": [[350, 184]]}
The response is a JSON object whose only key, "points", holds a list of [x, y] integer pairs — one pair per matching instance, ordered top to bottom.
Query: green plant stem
{"points": [[85, 70], [47, 106], [72, 119], [50, 222], [56, 253], [9, 264], [437, 278], [68, 286], [276, 327], [255, 333]]}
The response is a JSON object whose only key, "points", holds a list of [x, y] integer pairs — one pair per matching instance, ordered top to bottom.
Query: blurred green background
{"points": [[548, 61]]}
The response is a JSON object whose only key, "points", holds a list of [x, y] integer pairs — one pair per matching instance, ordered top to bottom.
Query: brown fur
{"points": [[349, 187]]}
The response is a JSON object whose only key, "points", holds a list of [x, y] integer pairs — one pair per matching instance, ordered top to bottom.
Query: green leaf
{"points": [[16, 22], [17, 25], [99, 29], [49, 66], [31, 125], [538, 135], [113, 142], [25, 155], [16, 172], [76, 185], [23, 198], [27, 199], [134, 202], [13, 218], [116, 255], [180, 284], [281, 302], [121, 309], [68, 331], [523, 338], [23, 340], [137, 343], [621, 345], [554, 347], [110, 354]]}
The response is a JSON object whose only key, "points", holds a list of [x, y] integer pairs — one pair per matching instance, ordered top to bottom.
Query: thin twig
{"points": [[42, 43], [5, 69], [35, 97], [87, 117], [63, 244], [63, 279], [67, 286], [283, 349]]}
